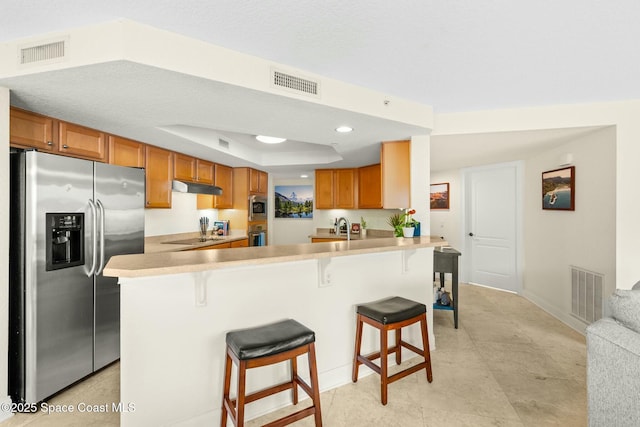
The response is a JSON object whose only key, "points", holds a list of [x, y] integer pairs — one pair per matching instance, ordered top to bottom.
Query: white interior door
{"points": [[492, 225]]}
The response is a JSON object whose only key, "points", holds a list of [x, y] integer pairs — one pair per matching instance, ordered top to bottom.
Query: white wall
{"points": [[624, 115], [183, 217], [448, 223], [556, 240], [4, 245]]}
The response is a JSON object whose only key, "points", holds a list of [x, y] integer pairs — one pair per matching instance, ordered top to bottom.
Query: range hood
{"points": [[192, 187]]}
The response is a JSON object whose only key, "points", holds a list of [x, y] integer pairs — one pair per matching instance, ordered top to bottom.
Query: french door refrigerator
{"points": [[67, 218]]}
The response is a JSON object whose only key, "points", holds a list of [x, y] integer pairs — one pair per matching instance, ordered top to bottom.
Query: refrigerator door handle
{"points": [[101, 209], [94, 256]]}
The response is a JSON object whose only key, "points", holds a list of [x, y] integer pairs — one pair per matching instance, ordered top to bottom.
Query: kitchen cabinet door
{"points": [[31, 130], [82, 142], [125, 152], [395, 159], [159, 165], [184, 167], [204, 172], [224, 180], [258, 182], [370, 187], [345, 188], [324, 189], [325, 239], [240, 243], [216, 246]]}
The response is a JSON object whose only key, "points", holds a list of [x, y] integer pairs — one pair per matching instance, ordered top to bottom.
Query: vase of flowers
{"points": [[405, 225]]}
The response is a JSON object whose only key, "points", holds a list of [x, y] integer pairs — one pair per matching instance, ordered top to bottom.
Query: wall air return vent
{"points": [[41, 53], [295, 84], [223, 144], [587, 290]]}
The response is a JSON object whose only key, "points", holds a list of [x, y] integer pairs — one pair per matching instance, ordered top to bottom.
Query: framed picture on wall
{"points": [[559, 189], [439, 196], [293, 201]]}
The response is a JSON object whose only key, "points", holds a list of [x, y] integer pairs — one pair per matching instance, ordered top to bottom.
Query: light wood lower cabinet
{"points": [[159, 176], [324, 239], [240, 243], [243, 243], [217, 246]]}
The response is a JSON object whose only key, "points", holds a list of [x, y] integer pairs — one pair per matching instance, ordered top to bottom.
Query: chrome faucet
{"points": [[346, 221]]}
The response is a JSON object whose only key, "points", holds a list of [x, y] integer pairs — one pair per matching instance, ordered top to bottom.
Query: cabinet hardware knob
{"points": [[49, 143], [65, 146], [471, 234]]}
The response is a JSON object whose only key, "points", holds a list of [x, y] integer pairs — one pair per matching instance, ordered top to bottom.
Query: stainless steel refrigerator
{"points": [[67, 217]]}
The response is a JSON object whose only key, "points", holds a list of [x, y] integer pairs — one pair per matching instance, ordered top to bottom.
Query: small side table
{"points": [[445, 260]]}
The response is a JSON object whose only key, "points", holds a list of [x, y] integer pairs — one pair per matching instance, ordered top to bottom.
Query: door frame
{"points": [[465, 261]]}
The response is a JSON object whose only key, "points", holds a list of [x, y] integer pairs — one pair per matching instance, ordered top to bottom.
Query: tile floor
{"points": [[508, 364]]}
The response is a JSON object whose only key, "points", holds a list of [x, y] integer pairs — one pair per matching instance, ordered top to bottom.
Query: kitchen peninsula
{"points": [[176, 308]]}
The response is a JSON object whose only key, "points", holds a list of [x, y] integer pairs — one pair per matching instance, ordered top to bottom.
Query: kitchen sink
{"points": [[195, 240]]}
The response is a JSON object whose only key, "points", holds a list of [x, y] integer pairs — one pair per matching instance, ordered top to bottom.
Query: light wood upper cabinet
{"points": [[31, 130], [79, 141], [125, 152], [395, 159], [159, 165], [184, 167], [204, 171], [224, 180], [258, 181], [370, 187], [335, 188], [345, 188], [324, 189]]}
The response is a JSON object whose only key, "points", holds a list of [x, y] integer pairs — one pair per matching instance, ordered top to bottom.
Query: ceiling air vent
{"points": [[41, 53], [295, 84], [223, 144]]}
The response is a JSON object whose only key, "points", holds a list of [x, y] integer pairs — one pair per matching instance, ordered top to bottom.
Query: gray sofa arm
{"points": [[613, 375]]}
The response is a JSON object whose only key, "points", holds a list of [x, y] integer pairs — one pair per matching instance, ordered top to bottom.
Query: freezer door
{"points": [[119, 196], [58, 304]]}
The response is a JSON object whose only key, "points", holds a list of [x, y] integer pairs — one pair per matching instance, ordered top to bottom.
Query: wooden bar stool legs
{"points": [[387, 315], [252, 348]]}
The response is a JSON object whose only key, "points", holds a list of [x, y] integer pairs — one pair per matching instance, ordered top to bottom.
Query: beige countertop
{"points": [[323, 233], [155, 244], [161, 263]]}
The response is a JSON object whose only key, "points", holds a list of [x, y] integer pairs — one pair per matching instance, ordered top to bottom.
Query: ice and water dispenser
{"points": [[65, 240]]}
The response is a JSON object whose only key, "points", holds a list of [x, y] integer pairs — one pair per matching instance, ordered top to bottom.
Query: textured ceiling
{"points": [[461, 55]]}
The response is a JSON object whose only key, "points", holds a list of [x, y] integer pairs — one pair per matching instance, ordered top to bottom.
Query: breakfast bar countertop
{"points": [[162, 263]]}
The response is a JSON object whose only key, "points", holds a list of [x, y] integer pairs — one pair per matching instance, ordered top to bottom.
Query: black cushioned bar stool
{"points": [[388, 314], [266, 345]]}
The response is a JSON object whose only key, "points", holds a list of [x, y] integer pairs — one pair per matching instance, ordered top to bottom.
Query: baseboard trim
{"points": [[565, 318]]}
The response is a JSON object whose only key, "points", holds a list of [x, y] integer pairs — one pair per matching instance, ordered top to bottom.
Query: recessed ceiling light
{"points": [[344, 129], [270, 139], [304, 176]]}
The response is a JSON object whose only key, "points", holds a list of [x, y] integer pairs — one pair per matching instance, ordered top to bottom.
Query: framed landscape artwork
{"points": [[559, 189], [439, 196], [293, 201]]}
